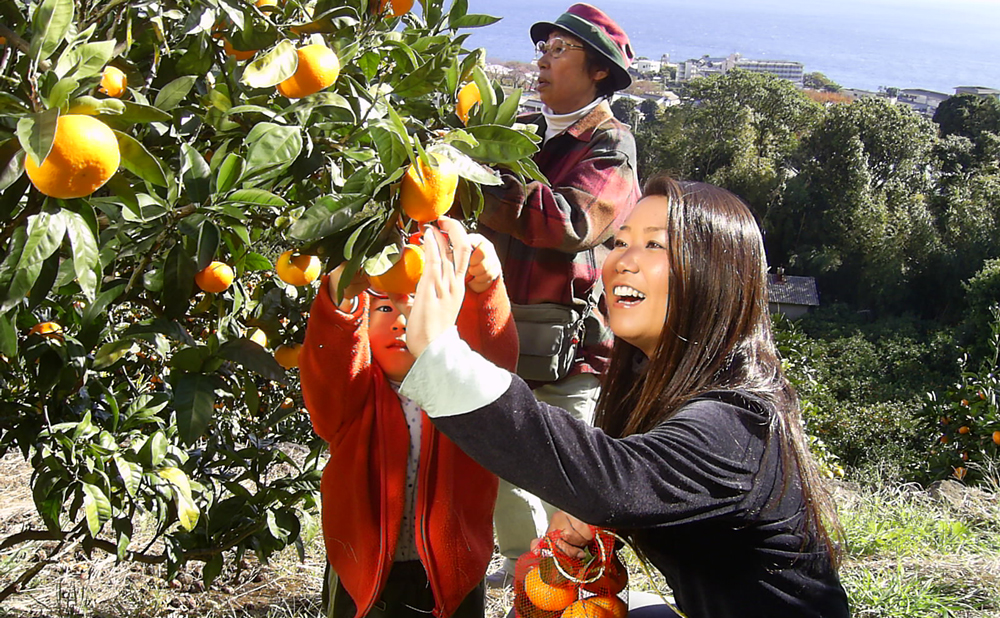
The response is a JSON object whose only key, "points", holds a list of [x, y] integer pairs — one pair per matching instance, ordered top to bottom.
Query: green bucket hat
{"points": [[599, 32]]}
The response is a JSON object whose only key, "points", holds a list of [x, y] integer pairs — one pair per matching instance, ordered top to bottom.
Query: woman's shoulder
{"points": [[727, 408]]}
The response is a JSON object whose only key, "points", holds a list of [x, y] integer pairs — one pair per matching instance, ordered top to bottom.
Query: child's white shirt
{"points": [[406, 549]]}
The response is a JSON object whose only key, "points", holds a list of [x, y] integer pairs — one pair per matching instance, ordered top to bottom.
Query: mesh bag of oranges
{"points": [[550, 584]]}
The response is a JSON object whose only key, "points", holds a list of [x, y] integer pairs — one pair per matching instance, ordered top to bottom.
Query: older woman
{"points": [[549, 235], [699, 458]]}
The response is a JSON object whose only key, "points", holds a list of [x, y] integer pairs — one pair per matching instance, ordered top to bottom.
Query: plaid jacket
{"points": [[549, 237]]}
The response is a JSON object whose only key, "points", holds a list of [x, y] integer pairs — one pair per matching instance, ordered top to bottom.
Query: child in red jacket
{"points": [[407, 516]]}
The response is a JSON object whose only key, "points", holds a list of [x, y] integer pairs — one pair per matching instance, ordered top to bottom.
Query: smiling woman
{"points": [[698, 457]]}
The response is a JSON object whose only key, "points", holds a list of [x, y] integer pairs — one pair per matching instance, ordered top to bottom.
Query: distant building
{"points": [[707, 65], [645, 66], [979, 91], [857, 93], [922, 101], [791, 296]]}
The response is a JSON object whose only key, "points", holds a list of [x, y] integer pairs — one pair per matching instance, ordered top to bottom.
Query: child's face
{"points": [[387, 338]]}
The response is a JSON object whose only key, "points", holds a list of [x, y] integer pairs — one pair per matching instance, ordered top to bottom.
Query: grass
{"points": [[910, 553]]}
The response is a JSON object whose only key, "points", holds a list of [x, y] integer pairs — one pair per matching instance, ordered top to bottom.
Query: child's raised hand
{"points": [[484, 264], [359, 283], [442, 285]]}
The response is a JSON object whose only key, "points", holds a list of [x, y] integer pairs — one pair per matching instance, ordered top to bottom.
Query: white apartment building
{"points": [[706, 66]]}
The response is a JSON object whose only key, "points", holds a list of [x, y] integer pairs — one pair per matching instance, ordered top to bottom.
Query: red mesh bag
{"points": [[550, 584]]}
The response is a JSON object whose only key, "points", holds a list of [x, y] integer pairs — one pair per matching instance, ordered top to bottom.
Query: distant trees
{"points": [[818, 81], [892, 211]]}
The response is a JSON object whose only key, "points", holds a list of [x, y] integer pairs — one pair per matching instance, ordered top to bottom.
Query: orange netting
{"points": [[550, 584]]}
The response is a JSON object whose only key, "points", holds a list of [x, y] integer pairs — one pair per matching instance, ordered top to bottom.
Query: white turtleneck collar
{"points": [[557, 123]]}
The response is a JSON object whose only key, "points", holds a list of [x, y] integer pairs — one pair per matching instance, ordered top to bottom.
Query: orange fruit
{"points": [[265, 4], [399, 7], [238, 54], [318, 69], [113, 82], [467, 97], [84, 156], [429, 193], [298, 269], [402, 277], [215, 278], [46, 329], [259, 337], [288, 356], [288, 403], [964, 429], [996, 438], [959, 472], [550, 598], [614, 605], [586, 608]]}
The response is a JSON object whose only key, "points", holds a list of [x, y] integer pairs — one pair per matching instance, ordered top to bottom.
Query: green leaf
{"points": [[330, 21], [472, 21], [50, 22], [92, 58], [273, 67], [421, 81], [61, 91], [174, 92], [488, 105], [91, 106], [246, 109], [507, 111], [139, 112], [37, 132], [497, 144], [272, 146], [392, 151], [138, 160], [11, 163], [466, 167], [229, 172], [195, 174], [258, 197], [328, 215], [46, 231], [208, 244], [86, 258], [256, 261], [178, 280], [8, 336], [110, 353], [254, 358], [194, 400], [154, 449], [131, 474], [96, 506], [187, 510], [211, 569]]}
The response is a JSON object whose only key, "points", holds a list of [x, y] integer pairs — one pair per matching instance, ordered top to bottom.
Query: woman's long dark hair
{"points": [[717, 335]]}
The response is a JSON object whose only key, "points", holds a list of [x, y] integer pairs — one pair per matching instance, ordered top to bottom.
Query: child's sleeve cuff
{"points": [[449, 378]]}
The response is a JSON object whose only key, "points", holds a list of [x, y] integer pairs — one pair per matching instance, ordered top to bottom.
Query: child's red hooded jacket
{"points": [[354, 408]]}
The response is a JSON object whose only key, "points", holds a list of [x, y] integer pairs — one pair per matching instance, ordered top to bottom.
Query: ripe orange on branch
{"points": [[399, 7], [237, 54], [318, 69], [113, 82], [468, 96], [84, 156], [428, 193], [298, 269], [401, 277], [215, 278], [46, 329], [288, 355]]}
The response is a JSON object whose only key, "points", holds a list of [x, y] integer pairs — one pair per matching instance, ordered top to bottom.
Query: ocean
{"points": [[931, 44]]}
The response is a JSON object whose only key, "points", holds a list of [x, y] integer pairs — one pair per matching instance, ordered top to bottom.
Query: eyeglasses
{"points": [[554, 48]]}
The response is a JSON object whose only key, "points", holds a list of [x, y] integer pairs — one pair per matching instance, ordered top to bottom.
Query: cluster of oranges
{"points": [[293, 268], [550, 592]]}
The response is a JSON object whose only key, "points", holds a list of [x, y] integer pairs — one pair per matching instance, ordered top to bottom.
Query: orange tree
{"points": [[145, 397]]}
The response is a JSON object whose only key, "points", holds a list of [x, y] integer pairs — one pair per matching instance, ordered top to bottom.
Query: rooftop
{"points": [[789, 290]]}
